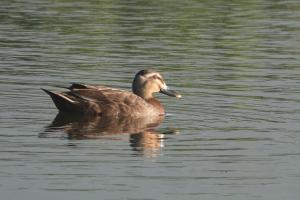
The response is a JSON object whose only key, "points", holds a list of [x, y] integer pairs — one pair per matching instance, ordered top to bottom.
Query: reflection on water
{"points": [[145, 138], [147, 143]]}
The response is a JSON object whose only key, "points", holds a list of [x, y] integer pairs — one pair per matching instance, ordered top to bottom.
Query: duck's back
{"points": [[104, 101]]}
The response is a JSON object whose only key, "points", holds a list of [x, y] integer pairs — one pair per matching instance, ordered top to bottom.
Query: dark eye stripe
{"points": [[155, 76], [159, 78]]}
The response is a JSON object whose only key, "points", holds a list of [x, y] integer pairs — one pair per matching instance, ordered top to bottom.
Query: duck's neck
{"points": [[143, 93], [149, 98], [157, 105]]}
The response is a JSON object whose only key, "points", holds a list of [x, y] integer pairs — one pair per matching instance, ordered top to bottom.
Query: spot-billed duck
{"points": [[111, 102]]}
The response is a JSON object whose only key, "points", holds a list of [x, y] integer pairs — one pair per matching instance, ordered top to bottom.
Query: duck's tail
{"points": [[62, 102]]}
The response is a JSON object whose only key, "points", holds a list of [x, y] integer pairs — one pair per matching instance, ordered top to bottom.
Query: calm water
{"points": [[234, 135]]}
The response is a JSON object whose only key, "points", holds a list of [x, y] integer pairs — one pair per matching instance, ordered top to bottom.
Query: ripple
{"points": [[236, 64]]}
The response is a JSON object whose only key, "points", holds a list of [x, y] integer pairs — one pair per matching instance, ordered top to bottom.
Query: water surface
{"points": [[234, 135]]}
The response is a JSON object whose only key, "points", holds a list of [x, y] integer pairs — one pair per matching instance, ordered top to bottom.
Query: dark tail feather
{"points": [[78, 86], [63, 103]]}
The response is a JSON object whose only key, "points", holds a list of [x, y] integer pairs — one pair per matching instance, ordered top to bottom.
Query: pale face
{"points": [[148, 82], [154, 82]]}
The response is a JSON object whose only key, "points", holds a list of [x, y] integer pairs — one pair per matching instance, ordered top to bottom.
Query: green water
{"points": [[233, 135]]}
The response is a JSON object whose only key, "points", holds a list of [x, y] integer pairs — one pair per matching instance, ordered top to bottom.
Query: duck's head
{"points": [[147, 82]]}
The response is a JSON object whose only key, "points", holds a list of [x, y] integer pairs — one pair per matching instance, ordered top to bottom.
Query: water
{"points": [[234, 135]]}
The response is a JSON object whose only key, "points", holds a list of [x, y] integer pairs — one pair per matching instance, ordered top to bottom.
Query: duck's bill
{"points": [[171, 93]]}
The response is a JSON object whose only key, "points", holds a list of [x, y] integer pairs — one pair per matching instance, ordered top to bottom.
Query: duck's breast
{"points": [[156, 106]]}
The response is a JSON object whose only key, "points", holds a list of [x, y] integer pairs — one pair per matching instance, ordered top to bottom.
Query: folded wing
{"points": [[98, 100]]}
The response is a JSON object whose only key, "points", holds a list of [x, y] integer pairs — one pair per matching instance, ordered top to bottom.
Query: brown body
{"points": [[111, 102]]}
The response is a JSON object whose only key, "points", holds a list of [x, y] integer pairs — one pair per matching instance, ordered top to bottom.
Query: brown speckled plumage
{"points": [[110, 102]]}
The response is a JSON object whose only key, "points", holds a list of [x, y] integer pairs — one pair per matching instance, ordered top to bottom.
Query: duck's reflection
{"points": [[144, 137], [147, 143]]}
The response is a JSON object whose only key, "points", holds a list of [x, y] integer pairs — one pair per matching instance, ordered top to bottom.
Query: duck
{"points": [[104, 101]]}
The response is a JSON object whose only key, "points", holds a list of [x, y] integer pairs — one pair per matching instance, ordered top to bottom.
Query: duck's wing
{"points": [[78, 86], [98, 100], [62, 101], [111, 101], [70, 102]]}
